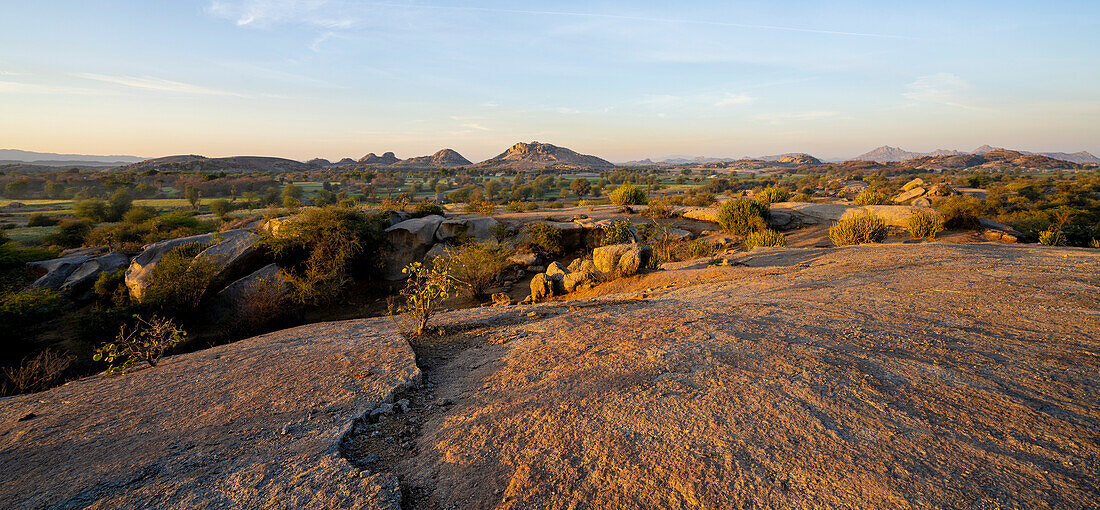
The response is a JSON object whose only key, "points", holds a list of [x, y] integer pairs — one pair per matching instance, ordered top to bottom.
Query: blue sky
{"points": [[622, 80]]}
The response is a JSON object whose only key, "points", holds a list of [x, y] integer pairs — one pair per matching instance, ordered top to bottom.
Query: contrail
{"points": [[647, 19]]}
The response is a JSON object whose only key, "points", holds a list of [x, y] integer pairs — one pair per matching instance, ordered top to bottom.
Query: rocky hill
{"points": [[535, 156], [387, 158], [446, 158], [998, 158], [54, 159], [194, 163], [898, 375]]}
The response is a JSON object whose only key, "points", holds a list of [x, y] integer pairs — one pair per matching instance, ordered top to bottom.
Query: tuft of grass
{"points": [[765, 237]]}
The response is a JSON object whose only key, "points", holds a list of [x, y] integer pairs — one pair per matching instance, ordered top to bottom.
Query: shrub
{"points": [[628, 194], [771, 195], [802, 197], [871, 197], [119, 203], [555, 204], [515, 206], [532, 206], [220, 207], [428, 208], [92, 209], [658, 209], [959, 212], [139, 214], [741, 216], [41, 220], [924, 224], [863, 228], [500, 232], [70, 233], [617, 233], [766, 237], [1052, 237], [543, 238], [1094, 243], [326, 248], [700, 248], [476, 266], [179, 281], [110, 287], [424, 290], [264, 303], [22, 314], [146, 341], [36, 373]]}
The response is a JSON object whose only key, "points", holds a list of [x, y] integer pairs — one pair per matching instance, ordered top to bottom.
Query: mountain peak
{"points": [[537, 155]]}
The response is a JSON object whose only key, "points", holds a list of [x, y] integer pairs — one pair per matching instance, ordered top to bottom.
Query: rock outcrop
{"points": [[535, 155], [446, 158], [385, 159], [478, 229], [411, 239], [233, 254], [621, 259], [141, 267], [78, 284], [252, 424]]}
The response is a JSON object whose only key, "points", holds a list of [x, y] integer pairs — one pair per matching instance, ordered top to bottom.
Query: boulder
{"points": [[913, 184], [940, 190], [910, 194], [921, 202], [700, 213], [396, 217], [276, 225], [994, 225], [479, 229], [572, 234], [678, 234], [998, 236], [410, 240], [438, 250], [92, 251], [235, 254], [524, 259], [621, 259], [582, 265], [141, 267], [555, 268], [57, 271], [80, 281], [571, 281], [542, 287], [501, 299]]}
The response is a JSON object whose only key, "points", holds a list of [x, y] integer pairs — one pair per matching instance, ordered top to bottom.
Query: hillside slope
{"points": [[535, 155]]}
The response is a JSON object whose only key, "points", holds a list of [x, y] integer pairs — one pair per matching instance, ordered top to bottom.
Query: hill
{"points": [[887, 154], [536, 156], [387, 158], [446, 158], [997, 158], [54, 159], [194, 163], [886, 376]]}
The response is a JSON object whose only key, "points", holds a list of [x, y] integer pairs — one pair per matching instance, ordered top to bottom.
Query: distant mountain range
{"points": [[887, 154], [54, 159], [702, 160]]}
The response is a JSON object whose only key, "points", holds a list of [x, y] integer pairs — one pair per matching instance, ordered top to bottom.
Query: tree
{"points": [[580, 186], [492, 188], [17, 189], [55, 190], [292, 191], [191, 193], [250, 198], [93, 209]]}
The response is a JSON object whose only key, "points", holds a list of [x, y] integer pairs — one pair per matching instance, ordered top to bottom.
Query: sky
{"points": [[621, 80]]}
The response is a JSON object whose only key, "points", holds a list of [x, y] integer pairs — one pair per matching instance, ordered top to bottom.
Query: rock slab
{"points": [[251, 424]]}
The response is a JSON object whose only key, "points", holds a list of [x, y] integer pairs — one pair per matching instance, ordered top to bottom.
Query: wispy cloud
{"points": [[262, 13], [157, 84], [38, 88], [942, 88], [730, 99], [708, 100]]}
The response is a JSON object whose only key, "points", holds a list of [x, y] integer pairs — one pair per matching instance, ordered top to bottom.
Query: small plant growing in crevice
{"points": [[426, 288], [146, 341]]}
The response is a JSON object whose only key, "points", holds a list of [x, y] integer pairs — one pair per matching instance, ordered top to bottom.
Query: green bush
{"points": [[628, 194], [771, 195], [802, 197], [871, 197], [555, 204], [515, 206], [532, 206], [220, 207], [658, 209], [959, 212], [139, 214], [741, 216], [41, 220], [924, 224], [863, 228], [70, 233], [617, 233], [1052, 236], [766, 237], [543, 238], [326, 248], [476, 266], [179, 281], [110, 287], [425, 289], [146, 341]]}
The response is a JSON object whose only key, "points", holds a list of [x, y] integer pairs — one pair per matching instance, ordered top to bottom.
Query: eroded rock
{"points": [[621, 259]]}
